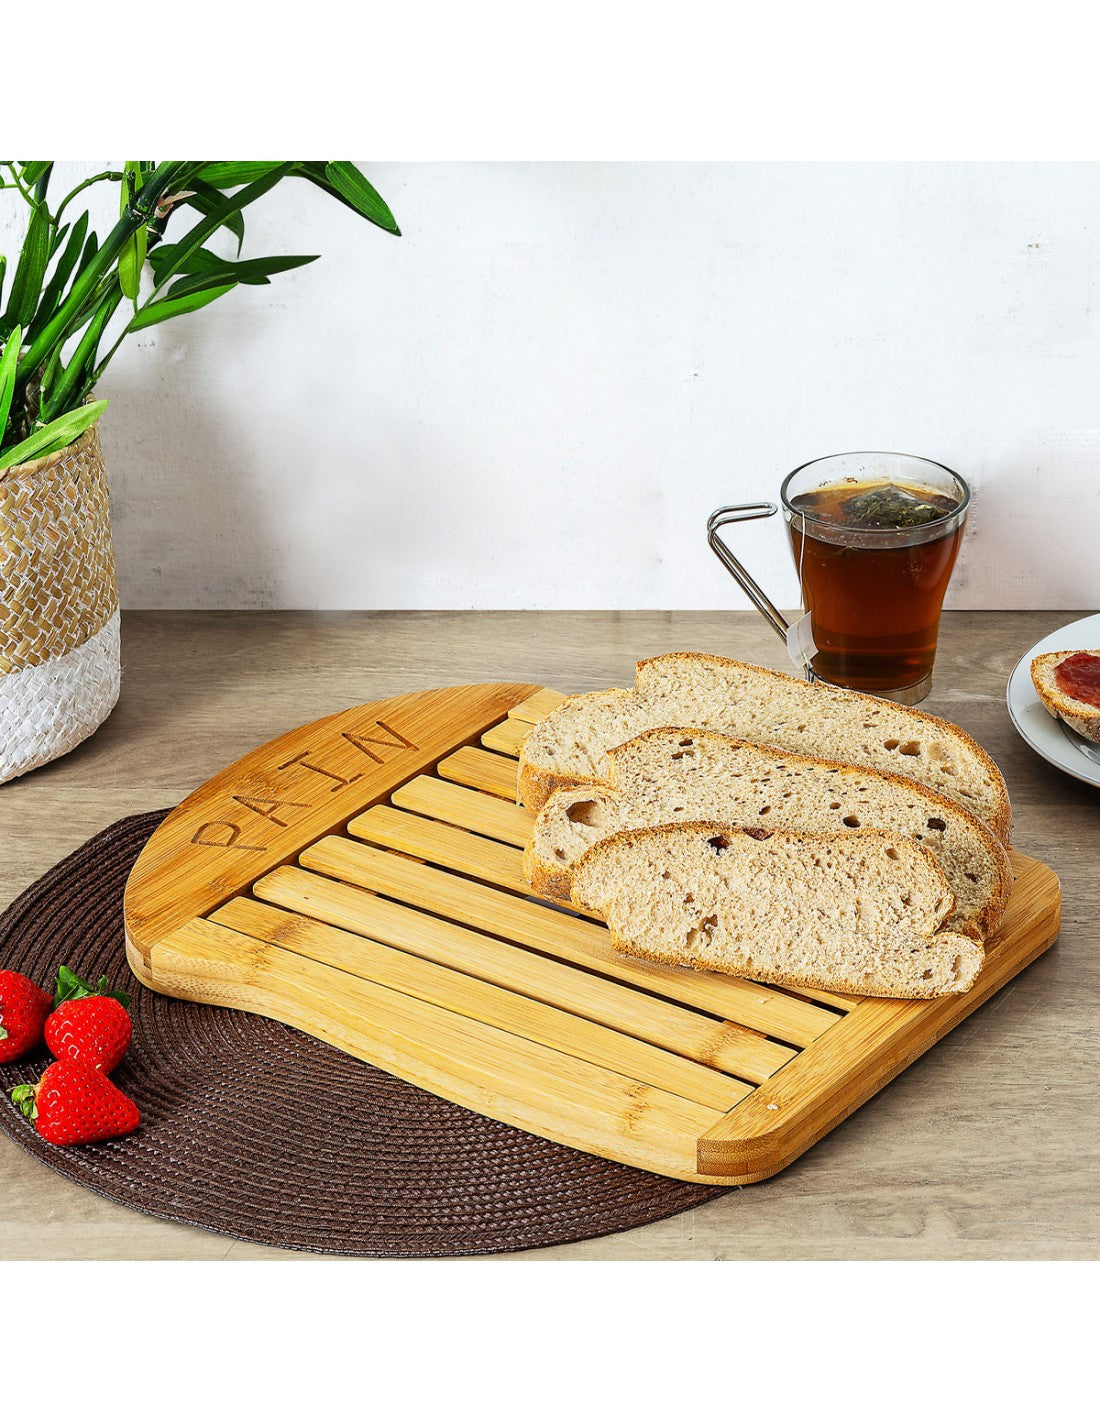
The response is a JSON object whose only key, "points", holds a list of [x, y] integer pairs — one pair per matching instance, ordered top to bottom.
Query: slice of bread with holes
{"points": [[1082, 716], [570, 745], [670, 775], [855, 912]]}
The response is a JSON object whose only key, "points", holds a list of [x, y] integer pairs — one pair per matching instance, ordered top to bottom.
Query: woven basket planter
{"points": [[59, 645]]}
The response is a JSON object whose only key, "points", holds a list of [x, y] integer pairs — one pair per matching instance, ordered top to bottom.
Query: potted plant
{"points": [[73, 296]]}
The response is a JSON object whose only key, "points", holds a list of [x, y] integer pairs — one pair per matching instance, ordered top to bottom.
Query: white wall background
{"points": [[535, 397]]}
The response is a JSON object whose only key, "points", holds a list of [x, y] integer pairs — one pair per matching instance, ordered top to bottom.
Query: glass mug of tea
{"points": [[874, 538]]}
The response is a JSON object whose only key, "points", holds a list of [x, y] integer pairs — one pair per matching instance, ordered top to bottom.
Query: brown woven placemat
{"points": [[260, 1132]]}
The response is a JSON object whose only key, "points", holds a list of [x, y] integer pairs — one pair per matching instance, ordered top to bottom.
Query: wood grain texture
{"points": [[481, 770], [437, 799], [257, 812], [340, 911], [545, 929], [579, 1030], [724, 1045], [499, 1073], [986, 1148]]}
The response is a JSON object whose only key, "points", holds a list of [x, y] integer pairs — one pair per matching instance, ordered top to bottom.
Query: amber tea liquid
{"points": [[875, 559]]}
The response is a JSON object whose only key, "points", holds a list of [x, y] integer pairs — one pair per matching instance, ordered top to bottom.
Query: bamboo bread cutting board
{"points": [[359, 878]]}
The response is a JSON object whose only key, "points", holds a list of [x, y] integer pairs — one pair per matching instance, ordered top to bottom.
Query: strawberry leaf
{"points": [[70, 987], [25, 1097]]}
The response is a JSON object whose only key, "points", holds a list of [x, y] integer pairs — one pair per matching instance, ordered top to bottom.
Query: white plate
{"points": [[1051, 738]]}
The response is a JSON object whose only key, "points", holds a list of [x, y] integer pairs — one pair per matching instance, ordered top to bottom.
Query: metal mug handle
{"points": [[741, 513]]}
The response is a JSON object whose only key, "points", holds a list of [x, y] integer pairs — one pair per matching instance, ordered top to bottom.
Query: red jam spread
{"points": [[1079, 676]]}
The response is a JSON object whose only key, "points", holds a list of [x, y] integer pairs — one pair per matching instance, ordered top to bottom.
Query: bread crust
{"points": [[1079, 715], [535, 784], [1000, 823], [547, 881], [551, 882], [793, 980]]}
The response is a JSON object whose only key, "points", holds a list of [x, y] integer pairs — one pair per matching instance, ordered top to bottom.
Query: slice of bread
{"points": [[694, 689], [1083, 717], [671, 775], [855, 912]]}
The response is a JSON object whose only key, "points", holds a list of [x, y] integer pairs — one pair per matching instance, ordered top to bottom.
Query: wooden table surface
{"points": [[984, 1149]]}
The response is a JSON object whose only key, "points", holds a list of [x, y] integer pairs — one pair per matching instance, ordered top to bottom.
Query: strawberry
{"points": [[23, 1011], [89, 1023], [95, 1030], [73, 1104]]}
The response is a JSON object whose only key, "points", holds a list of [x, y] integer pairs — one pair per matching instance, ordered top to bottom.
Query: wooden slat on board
{"points": [[537, 706], [507, 736], [481, 770], [485, 814], [451, 848], [473, 997], [842, 1001], [764, 1009], [722, 1045], [485, 1068]]}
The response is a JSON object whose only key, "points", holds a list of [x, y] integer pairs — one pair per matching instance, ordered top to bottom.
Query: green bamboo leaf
{"points": [[31, 172], [232, 175], [349, 182], [42, 183], [206, 199], [202, 230], [58, 236], [91, 247], [162, 256], [132, 257], [173, 257], [33, 259], [201, 260], [130, 262], [258, 269], [251, 273], [61, 274], [199, 281], [163, 310], [8, 361], [49, 373], [67, 390], [54, 436]]}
